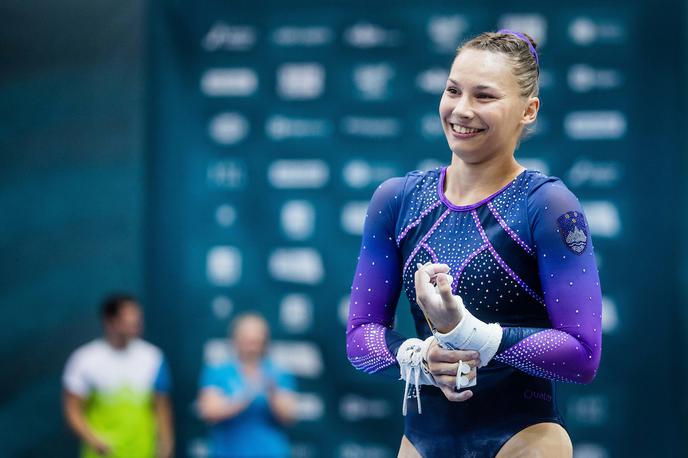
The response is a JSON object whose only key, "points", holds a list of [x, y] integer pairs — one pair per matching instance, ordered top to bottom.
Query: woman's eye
{"points": [[452, 90], [485, 96]]}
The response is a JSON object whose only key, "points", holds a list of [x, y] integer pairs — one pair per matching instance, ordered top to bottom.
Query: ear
{"points": [[531, 110]]}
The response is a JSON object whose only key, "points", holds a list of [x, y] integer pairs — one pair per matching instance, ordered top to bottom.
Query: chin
{"points": [[469, 157]]}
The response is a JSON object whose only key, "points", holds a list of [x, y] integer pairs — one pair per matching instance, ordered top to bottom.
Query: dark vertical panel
{"points": [[71, 197]]}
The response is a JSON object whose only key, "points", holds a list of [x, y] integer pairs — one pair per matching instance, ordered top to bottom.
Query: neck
{"points": [[466, 183], [116, 341], [249, 361]]}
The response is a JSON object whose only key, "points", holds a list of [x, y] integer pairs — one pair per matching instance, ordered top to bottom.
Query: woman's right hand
{"points": [[434, 296], [443, 365]]}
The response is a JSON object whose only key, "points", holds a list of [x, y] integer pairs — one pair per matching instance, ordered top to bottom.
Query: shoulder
{"points": [[423, 179], [411, 181], [420, 188], [544, 189], [147, 348], [93, 350], [145, 353], [88, 358], [227, 368]]}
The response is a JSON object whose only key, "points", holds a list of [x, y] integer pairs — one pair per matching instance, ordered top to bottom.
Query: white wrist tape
{"points": [[472, 334], [412, 358]]}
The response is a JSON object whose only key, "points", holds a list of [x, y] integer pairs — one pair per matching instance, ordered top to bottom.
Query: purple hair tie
{"points": [[524, 38]]}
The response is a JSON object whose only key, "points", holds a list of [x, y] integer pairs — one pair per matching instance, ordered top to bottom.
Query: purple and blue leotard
{"points": [[522, 258]]}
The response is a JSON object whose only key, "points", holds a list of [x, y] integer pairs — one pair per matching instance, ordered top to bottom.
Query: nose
{"points": [[463, 108]]}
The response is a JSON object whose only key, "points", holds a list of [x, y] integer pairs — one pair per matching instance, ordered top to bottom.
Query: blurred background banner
{"points": [[218, 156]]}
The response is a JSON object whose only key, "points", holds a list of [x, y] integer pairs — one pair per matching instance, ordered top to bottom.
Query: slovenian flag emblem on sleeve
{"points": [[574, 231]]}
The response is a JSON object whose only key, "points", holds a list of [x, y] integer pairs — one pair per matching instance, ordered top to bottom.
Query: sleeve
{"points": [[371, 342], [570, 351], [211, 378], [75, 379], [163, 380], [285, 381]]}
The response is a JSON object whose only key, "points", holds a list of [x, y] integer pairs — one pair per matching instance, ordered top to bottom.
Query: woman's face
{"points": [[482, 95]]}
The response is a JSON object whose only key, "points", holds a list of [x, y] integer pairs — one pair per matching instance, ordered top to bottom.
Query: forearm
{"points": [[511, 335], [372, 348], [556, 355], [214, 407], [74, 414], [164, 417], [80, 427]]}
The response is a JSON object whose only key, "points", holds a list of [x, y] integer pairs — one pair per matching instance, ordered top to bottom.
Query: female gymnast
{"points": [[499, 269]]}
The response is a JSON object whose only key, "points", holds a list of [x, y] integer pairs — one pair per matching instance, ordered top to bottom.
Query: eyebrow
{"points": [[478, 87]]}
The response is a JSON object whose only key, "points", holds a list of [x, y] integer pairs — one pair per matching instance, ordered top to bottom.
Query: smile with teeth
{"points": [[464, 130]]}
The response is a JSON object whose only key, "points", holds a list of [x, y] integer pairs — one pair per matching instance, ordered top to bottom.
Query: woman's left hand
{"points": [[443, 364]]}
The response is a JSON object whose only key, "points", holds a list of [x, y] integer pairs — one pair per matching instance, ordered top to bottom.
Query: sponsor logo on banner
{"points": [[534, 25], [587, 31], [445, 32], [367, 35], [303, 36], [226, 37], [584, 78], [372, 80], [300, 81], [432, 81], [222, 82], [595, 125], [364, 126], [431, 126], [280, 127], [228, 128], [359, 173], [226, 174], [298, 174], [597, 174], [225, 215], [353, 216], [603, 218], [297, 219], [223, 265], [296, 265], [222, 307], [343, 309], [296, 313], [610, 316], [299, 358], [309, 406], [356, 408], [590, 410], [363, 450], [590, 450]]}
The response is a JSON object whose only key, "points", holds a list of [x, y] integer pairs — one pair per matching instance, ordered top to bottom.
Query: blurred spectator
{"points": [[116, 389], [247, 400]]}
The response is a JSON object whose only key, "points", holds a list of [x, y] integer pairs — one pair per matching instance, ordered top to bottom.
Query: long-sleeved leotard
{"points": [[522, 258]]}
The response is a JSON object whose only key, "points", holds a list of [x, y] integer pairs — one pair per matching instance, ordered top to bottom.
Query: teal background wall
{"points": [[117, 173]]}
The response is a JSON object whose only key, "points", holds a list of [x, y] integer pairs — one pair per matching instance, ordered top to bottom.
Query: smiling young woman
{"points": [[499, 269]]}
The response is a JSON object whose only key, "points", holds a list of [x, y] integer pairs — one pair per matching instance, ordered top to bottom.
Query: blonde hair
{"points": [[524, 64]]}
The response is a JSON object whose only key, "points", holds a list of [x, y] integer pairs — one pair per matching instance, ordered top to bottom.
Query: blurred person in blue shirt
{"points": [[247, 400]]}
